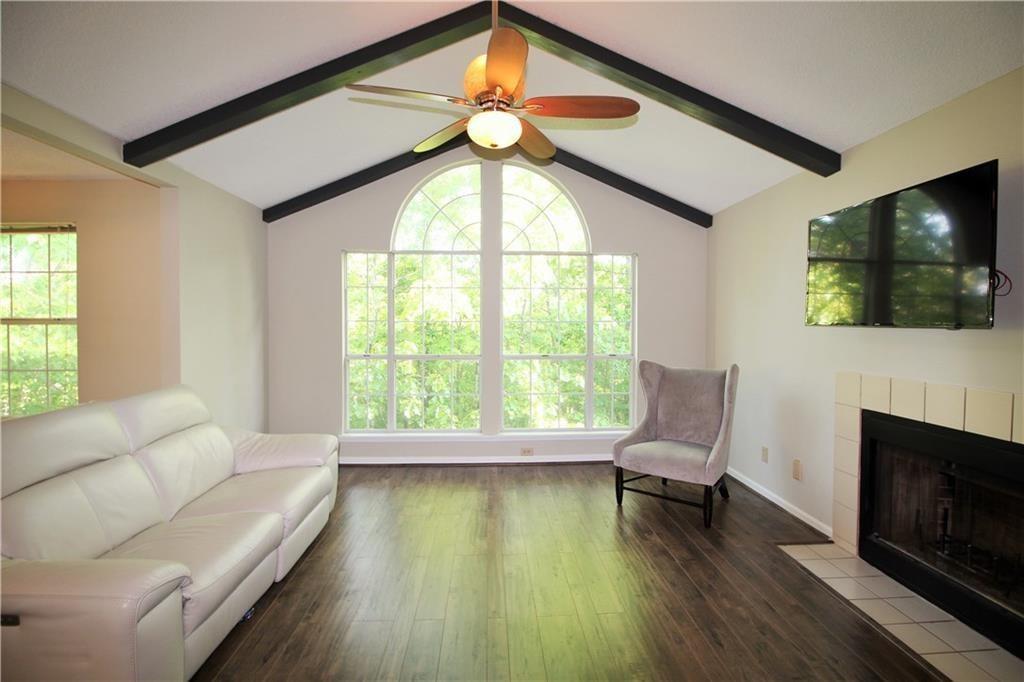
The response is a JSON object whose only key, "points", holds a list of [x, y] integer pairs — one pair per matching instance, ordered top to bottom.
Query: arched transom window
{"points": [[561, 355]]}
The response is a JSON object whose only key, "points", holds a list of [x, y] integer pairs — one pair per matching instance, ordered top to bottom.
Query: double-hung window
{"points": [[38, 319], [414, 351]]}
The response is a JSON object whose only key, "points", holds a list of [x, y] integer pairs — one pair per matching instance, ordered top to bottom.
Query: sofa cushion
{"points": [[690, 403], [151, 416], [42, 446], [668, 459], [186, 464], [292, 493], [80, 514], [220, 551]]}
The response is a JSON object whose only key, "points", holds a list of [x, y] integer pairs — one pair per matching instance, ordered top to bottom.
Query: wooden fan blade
{"points": [[506, 59], [413, 94], [581, 106], [442, 136], [534, 141]]}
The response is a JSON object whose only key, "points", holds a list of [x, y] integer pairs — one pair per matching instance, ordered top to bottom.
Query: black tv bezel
{"points": [[993, 168]]}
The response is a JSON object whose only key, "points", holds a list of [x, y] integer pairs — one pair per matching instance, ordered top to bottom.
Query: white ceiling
{"points": [[838, 73], [22, 158]]}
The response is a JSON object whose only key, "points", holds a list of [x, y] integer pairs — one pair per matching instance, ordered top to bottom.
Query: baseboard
{"points": [[481, 460], [814, 523]]}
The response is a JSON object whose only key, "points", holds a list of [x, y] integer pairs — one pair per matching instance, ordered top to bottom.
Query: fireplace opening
{"points": [[943, 512]]}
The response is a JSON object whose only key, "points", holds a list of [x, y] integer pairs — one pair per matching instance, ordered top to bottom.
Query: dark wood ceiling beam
{"points": [[304, 86], [678, 95], [409, 159]]}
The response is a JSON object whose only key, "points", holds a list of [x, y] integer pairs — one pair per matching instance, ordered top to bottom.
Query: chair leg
{"points": [[664, 481], [618, 486], [722, 489], [709, 504]]}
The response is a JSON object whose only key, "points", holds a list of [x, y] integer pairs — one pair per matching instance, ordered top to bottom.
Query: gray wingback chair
{"points": [[685, 434]]}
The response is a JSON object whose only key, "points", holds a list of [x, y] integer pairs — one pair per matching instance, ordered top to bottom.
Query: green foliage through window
{"points": [[39, 308], [413, 343]]}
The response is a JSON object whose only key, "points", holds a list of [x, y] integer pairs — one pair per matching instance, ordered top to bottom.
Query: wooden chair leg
{"points": [[618, 486], [722, 489], [709, 504]]}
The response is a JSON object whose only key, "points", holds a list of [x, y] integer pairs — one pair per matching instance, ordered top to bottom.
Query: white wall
{"points": [[220, 246], [758, 270], [305, 295]]}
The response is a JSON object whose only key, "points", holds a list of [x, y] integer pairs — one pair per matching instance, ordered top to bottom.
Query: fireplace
{"points": [[942, 511]]}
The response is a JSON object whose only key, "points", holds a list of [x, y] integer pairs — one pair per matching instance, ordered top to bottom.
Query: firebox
{"points": [[942, 511]]}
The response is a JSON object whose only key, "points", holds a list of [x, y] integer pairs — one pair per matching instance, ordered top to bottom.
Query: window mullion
{"points": [[589, 381], [392, 399]]}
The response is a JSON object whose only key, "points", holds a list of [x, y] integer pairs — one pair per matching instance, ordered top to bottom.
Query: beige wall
{"points": [[220, 243], [757, 285], [306, 293], [127, 339]]}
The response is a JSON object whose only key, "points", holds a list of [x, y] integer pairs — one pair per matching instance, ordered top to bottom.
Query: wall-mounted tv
{"points": [[920, 257]]}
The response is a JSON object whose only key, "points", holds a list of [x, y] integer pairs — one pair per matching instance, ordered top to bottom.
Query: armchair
{"points": [[685, 434]]}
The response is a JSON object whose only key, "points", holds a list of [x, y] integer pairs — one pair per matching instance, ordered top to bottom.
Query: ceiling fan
{"points": [[494, 84]]}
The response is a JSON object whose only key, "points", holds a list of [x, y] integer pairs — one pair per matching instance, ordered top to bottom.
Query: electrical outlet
{"points": [[526, 452], [764, 453], [798, 470]]}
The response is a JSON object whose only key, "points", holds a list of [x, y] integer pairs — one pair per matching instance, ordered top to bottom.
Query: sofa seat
{"points": [[667, 458], [291, 493], [219, 550]]}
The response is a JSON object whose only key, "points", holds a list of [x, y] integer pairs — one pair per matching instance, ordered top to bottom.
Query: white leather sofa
{"points": [[137, 533]]}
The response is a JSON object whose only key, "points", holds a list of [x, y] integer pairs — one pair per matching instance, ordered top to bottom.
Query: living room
{"points": [[671, 340]]}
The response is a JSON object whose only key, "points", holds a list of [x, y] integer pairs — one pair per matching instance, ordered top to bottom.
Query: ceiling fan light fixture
{"points": [[495, 129]]}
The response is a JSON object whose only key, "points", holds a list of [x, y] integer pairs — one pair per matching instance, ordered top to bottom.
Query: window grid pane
{"points": [[38, 307]]}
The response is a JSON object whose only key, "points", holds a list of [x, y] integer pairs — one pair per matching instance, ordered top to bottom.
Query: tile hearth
{"points": [[952, 648]]}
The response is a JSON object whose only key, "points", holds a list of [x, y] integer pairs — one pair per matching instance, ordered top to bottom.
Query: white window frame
{"points": [[45, 322], [588, 357], [392, 358]]}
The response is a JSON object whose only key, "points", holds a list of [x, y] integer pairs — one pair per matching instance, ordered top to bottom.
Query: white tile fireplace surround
{"points": [[997, 414]]}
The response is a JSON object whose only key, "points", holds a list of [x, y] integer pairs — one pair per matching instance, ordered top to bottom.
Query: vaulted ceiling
{"points": [[836, 73]]}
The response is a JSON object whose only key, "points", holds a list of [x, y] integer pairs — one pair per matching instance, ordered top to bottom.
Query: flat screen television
{"points": [[920, 257]]}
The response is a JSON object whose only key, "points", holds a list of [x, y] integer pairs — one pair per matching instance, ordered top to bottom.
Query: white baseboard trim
{"points": [[481, 460], [811, 521]]}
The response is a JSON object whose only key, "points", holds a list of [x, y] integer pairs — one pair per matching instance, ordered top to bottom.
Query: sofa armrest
{"points": [[641, 434], [261, 451], [80, 619]]}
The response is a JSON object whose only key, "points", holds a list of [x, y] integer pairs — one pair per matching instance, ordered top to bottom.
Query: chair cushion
{"points": [[690, 404], [668, 459], [292, 493], [220, 551]]}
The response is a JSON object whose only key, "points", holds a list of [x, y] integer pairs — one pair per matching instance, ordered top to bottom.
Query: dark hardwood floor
{"points": [[532, 572]]}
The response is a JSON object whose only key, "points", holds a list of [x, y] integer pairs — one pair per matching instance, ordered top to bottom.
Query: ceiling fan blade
{"points": [[506, 59], [413, 94], [581, 106], [442, 136], [534, 142]]}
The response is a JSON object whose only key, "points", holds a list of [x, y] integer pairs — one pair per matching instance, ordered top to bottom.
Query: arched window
{"points": [[414, 321]]}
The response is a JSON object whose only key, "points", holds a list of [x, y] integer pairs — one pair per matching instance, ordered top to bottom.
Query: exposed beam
{"points": [[433, 35], [304, 86], [678, 95], [409, 159], [356, 180], [633, 188]]}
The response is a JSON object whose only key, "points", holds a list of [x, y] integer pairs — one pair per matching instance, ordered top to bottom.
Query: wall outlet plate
{"points": [[526, 452], [764, 453], [798, 470]]}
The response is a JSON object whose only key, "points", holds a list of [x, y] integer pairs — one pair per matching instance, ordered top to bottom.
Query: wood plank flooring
{"points": [[533, 572]]}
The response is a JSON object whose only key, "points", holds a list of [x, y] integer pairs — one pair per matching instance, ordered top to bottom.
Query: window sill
{"points": [[473, 437]]}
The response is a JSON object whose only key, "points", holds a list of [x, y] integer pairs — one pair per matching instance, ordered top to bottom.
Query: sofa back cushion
{"points": [[690, 403], [148, 417], [170, 434], [42, 446], [186, 464], [81, 514]]}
